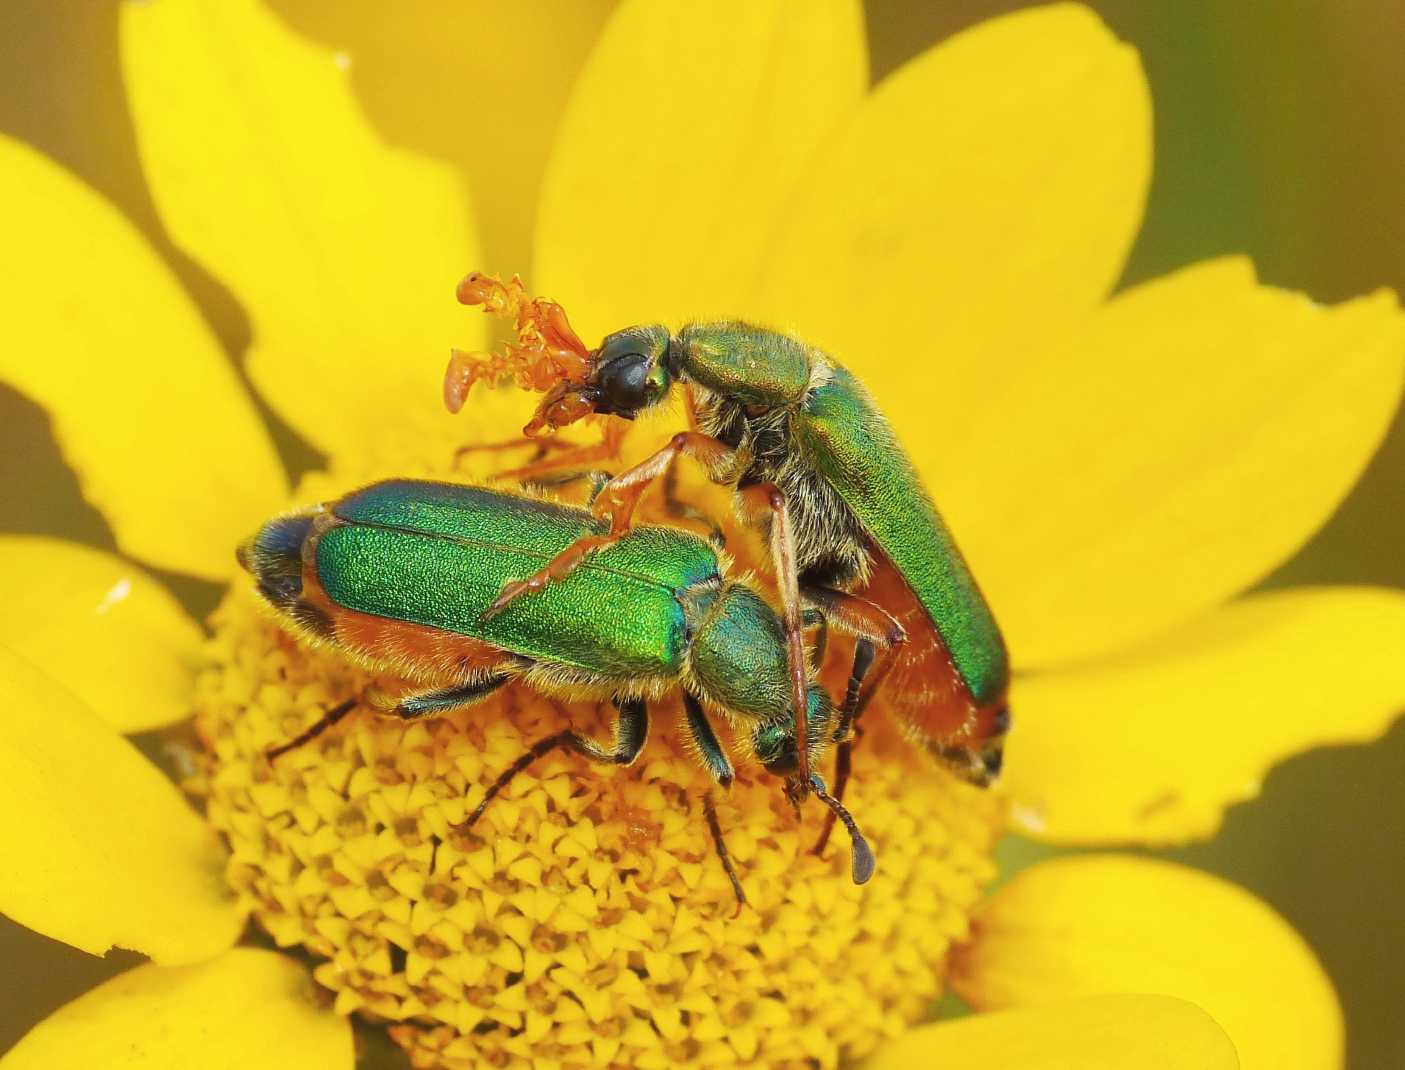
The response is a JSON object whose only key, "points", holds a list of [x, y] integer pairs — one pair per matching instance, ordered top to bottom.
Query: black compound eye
{"points": [[631, 371], [624, 383]]}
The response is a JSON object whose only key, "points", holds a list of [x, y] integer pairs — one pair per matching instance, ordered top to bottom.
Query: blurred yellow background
{"points": [[1278, 133]]}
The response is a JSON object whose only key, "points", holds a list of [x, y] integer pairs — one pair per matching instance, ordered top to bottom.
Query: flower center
{"points": [[586, 918]]}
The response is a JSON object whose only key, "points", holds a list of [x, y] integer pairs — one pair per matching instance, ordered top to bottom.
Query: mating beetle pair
{"points": [[854, 534], [855, 540], [398, 576]]}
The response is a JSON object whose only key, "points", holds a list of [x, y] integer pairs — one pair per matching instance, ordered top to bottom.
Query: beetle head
{"points": [[631, 371], [773, 742]]}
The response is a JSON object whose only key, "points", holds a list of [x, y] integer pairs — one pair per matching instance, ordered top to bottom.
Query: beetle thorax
{"points": [[831, 546]]}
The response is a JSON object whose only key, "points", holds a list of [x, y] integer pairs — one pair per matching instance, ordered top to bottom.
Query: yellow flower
{"points": [[1119, 469]]}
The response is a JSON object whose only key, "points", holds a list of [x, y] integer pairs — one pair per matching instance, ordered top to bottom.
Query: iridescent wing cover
{"points": [[849, 443]]}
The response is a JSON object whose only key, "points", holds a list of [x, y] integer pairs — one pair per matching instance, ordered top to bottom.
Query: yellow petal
{"points": [[478, 82], [685, 135], [982, 200], [344, 251], [145, 406], [1169, 456], [114, 636], [1152, 746], [98, 849], [1102, 924], [246, 1010], [1102, 1033]]}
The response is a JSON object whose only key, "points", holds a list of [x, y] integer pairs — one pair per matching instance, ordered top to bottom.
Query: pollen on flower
{"points": [[585, 920]]}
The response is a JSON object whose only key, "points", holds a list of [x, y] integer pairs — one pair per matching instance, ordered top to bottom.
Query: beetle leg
{"points": [[542, 446], [572, 455], [594, 478], [617, 501], [555, 570], [788, 584], [875, 627], [879, 637], [429, 703], [331, 717], [631, 730], [714, 758], [715, 827]]}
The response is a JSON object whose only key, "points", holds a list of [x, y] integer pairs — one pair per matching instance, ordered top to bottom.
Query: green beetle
{"points": [[854, 533], [397, 576]]}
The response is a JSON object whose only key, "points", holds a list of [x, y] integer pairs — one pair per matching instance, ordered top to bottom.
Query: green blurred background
{"points": [[1278, 133]]}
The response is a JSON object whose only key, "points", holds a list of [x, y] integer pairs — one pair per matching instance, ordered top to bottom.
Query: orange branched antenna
{"points": [[548, 356]]}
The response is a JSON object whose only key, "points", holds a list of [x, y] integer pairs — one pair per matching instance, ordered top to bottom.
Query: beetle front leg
{"points": [[571, 455], [617, 502], [710, 750]]}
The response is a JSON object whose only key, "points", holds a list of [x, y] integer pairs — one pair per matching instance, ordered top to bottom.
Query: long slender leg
{"points": [[612, 436], [541, 446], [594, 478], [617, 501], [788, 584], [880, 636], [410, 708], [331, 717], [631, 730], [714, 758], [710, 812]]}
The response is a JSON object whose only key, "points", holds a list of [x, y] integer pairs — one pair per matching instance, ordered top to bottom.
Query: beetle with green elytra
{"points": [[853, 532], [397, 577]]}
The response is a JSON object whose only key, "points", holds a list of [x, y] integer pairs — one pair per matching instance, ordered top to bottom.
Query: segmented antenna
{"points": [[863, 861]]}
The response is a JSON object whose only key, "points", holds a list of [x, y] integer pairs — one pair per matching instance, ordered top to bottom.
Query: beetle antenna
{"points": [[863, 861]]}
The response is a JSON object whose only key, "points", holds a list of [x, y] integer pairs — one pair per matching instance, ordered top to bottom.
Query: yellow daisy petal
{"points": [[501, 72], [688, 130], [982, 201], [344, 251], [145, 406], [1188, 441], [114, 636], [1153, 746], [98, 849], [1103, 924], [246, 1010], [1101, 1033]]}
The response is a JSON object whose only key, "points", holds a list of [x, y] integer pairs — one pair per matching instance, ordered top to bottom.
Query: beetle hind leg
{"points": [[431, 703], [631, 732]]}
